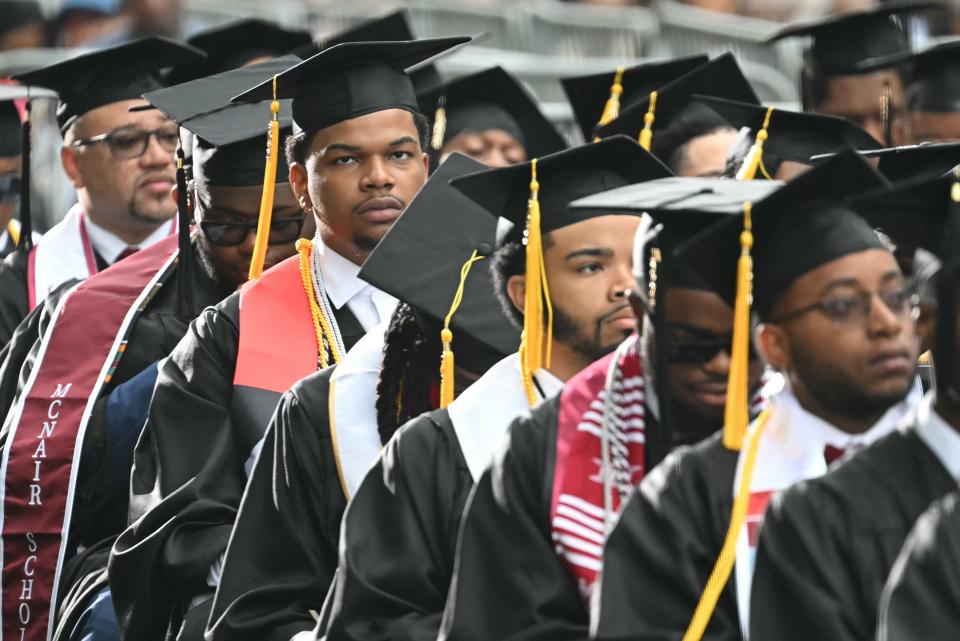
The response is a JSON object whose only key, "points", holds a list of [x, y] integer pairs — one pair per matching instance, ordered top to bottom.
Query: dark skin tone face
{"points": [[858, 98], [934, 127], [492, 147], [359, 175], [241, 204], [848, 373]]}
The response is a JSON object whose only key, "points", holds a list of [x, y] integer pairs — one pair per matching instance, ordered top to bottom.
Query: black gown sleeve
{"points": [[13, 294], [186, 482], [399, 538], [283, 550], [659, 555], [509, 582], [922, 599]]}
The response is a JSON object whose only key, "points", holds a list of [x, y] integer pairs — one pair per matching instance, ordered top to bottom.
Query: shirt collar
{"points": [[109, 246], [340, 276], [550, 385], [940, 437]]}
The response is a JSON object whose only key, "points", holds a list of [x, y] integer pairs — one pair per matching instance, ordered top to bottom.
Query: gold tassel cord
{"points": [[611, 110], [439, 124], [646, 136], [754, 159], [269, 186], [14, 233], [321, 324], [535, 342], [447, 371], [737, 410], [728, 553]]}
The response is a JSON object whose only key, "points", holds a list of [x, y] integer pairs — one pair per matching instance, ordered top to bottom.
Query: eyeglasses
{"points": [[132, 143], [9, 188], [283, 230], [902, 301], [699, 352]]}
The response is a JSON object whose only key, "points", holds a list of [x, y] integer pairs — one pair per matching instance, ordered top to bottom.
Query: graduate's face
{"points": [[859, 99], [934, 127], [492, 147], [706, 156], [9, 165], [359, 176], [130, 196], [230, 264], [589, 270], [700, 327], [848, 370]]}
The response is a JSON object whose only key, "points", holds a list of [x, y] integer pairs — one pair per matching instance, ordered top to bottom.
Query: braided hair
{"points": [[410, 369]]}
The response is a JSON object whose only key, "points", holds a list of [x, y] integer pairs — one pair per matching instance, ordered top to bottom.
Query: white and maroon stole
{"points": [[63, 253], [791, 450], [41, 455], [577, 514]]}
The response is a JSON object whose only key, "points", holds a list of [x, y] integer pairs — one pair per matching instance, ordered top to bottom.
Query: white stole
{"points": [[62, 254]]}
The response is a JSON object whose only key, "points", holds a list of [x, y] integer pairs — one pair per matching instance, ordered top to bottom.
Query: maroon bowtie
{"points": [[831, 453]]}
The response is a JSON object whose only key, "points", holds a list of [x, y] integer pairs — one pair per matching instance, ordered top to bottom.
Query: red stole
{"points": [[42, 452]]}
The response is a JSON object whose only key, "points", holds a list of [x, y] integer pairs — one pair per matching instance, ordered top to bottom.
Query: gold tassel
{"points": [[611, 110], [439, 124], [646, 136], [754, 159], [269, 186], [14, 233], [321, 324], [535, 344], [447, 372], [736, 414]]}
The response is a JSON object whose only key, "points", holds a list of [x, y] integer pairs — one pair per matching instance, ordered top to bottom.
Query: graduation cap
{"points": [[843, 41], [237, 43], [123, 72], [721, 77], [934, 78], [598, 98], [489, 99], [792, 135], [901, 163], [534, 196], [427, 260]]}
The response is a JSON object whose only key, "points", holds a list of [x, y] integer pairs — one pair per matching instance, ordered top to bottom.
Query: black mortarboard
{"points": [[842, 42], [237, 43], [123, 72], [934, 76], [721, 77], [350, 80], [588, 95], [489, 99], [793, 135], [229, 138], [902, 163], [564, 177], [797, 228], [420, 259]]}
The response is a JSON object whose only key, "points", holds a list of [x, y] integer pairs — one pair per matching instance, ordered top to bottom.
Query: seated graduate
{"points": [[488, 116], [356, 131], [830, 299], [143, 307], [330, 427], [531, 535], [827, 545], [392, 581], [922, 592]]}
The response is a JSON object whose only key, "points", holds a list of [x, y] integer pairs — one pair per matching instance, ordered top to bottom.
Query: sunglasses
{"points": [[9, 188], [283, 230], [699, 352]]}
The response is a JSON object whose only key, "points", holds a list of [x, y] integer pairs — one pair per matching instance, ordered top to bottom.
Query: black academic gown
{"points": [[13, 294], [187, 481], [292, 510], [681, 510], [400, 535], [827, 545], [509, 582], [921, 601]]}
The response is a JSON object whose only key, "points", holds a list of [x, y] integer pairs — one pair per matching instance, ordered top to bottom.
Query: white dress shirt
{"points": [[109, 246], [370, 305], [942, 439]]}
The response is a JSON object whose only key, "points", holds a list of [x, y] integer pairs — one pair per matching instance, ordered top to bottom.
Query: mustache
{"points": [[360, 208]]}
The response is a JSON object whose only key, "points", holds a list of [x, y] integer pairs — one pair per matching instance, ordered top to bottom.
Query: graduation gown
{"points": [[13, 294], [188, 477], [680, 512], [399, 535], [827, 545], [921, 601]]}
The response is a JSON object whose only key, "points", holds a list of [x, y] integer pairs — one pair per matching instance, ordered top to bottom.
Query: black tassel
{"points": [[26, 224], [185, 275]]}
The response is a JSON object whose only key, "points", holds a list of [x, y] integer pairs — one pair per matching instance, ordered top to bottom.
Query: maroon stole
{"points": [[277, 347], [41, 455]]}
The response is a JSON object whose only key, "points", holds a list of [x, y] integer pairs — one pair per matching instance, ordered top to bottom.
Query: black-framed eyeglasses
{"points": [[132, 143], [9, 188], [229, 233], [855, 307], [700, 352]]}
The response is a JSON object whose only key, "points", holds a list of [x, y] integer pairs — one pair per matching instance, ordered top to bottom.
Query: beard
{"points": [[143, 213], [588, 344]]}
